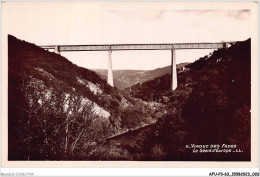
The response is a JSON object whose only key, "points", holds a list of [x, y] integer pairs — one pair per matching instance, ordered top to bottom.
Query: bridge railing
{"points": [[114, 47]]}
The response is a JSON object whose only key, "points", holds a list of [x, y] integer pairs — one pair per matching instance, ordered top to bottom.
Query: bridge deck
{"points": [[113, 47]]}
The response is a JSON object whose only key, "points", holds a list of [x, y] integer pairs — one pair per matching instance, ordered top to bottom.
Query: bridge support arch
{"points": [[173, 70], [110, 80]]}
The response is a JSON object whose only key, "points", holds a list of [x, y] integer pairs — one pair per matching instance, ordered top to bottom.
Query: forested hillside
{"points": [[210, 106], [57, 110], [60, 111]]}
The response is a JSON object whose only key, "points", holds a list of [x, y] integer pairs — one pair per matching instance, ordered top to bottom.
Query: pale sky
{"points": [[49, 23]]}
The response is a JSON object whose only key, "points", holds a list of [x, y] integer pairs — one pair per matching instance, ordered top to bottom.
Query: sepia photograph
{"points": [[129, 82]]}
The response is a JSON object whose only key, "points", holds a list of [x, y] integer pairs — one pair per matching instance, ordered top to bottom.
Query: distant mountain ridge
{"points": [[126, 78]]}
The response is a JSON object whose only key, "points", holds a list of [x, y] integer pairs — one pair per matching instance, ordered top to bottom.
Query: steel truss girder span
{"points": [[137, 47]]}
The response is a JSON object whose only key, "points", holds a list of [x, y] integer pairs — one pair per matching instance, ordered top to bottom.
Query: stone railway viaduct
{"points": [[116, 47]]}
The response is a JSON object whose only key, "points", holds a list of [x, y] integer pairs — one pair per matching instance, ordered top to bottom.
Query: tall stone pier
{"points": [[116, 47], [57, 49], [109, 70], [174, 70]]}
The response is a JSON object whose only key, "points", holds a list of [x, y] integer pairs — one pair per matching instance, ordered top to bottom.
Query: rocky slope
{"points": [[58, 110]]}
